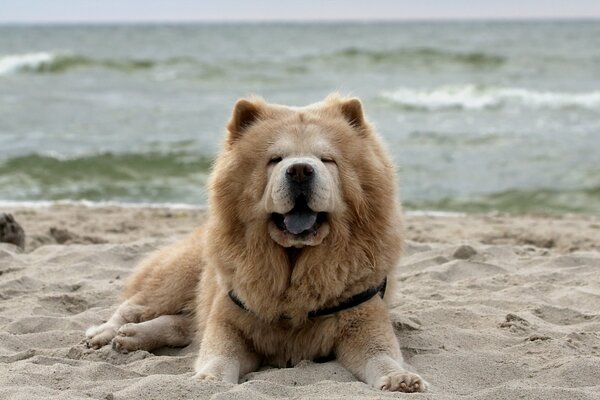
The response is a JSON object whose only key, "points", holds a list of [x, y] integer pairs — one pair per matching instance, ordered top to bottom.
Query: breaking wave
{"points": [[25, 62], [49, 62], [475, 97], [151, 177]]}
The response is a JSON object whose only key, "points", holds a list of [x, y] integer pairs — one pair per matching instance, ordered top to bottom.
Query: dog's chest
{"points": [[284, 345]]}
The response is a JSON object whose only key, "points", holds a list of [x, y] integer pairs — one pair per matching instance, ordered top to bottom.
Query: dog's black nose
{"points": [[300, 172]]}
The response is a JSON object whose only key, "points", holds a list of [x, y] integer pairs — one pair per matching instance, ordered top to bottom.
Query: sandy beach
{"points": [[488, 306]]}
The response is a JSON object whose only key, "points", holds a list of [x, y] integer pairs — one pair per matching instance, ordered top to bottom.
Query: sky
{"points": [[73, 11]]}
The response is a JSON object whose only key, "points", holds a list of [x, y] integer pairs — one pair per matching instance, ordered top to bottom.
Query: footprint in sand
{"points": [[64, 304], [563, 316], [515, 323]]}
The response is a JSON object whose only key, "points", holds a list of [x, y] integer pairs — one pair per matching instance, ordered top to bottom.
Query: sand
{"points": [[488, 307]]}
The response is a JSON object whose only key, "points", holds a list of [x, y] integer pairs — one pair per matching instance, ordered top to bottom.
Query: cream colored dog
{"points": [[303, 234]]}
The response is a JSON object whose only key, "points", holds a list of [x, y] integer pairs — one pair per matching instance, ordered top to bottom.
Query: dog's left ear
{"points": [[352, 110], [246, 113]]}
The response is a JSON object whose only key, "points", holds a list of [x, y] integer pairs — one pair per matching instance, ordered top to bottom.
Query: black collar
{"points": [[353, 301]]}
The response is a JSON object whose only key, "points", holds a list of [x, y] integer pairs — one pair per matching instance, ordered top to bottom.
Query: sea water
{"points": [[478, 115]]}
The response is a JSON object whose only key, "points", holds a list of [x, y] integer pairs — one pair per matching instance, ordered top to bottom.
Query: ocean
{"points": [[478, 116]]}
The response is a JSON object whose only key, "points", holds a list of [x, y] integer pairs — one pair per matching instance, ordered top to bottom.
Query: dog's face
{"points": [[301, 172], [303, 187]]}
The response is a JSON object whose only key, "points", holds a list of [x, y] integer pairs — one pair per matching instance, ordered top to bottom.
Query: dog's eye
{"points": [[275, 160], [327, 160]]}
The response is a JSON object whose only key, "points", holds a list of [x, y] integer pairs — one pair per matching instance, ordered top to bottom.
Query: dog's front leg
{"points": [[369, 348], [224, 354]]}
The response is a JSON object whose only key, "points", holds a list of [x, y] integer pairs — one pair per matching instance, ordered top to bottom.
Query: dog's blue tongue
{"points": [[298, 221]]}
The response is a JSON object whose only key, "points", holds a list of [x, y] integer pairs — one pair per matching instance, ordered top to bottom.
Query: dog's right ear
{"points": [[245, 113]]}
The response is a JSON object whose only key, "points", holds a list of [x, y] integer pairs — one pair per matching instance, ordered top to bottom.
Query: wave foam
{"points": [[25, 62], [48, 62], [474, 97], [96, 204]]}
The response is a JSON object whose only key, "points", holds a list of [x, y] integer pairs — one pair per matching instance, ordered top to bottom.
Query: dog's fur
{"points": [[182, 291]]}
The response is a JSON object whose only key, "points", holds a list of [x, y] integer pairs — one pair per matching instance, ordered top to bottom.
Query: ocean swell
{"points": [[424, 55], [61, 61], [54, 62], [476, 97]]}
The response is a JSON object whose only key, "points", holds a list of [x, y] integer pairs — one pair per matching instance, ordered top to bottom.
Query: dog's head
{"points": [[302, 173]]}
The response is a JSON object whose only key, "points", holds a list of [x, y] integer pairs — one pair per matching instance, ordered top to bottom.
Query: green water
{"points": [[478, 116]]}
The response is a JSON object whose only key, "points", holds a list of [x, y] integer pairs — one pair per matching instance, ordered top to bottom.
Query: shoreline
{"points": [[109, 222]]}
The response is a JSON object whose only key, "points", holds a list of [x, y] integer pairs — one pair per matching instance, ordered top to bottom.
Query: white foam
{"points": [[29, 61], [480, 97], [9, 204], [95, 204], [434, 214]]}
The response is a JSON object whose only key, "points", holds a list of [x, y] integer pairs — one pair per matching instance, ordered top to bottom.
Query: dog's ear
{"points": [[352, 110], [246, 112]]}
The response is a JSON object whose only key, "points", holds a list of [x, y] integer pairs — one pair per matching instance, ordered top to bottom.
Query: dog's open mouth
{"points": [[300, 220]]}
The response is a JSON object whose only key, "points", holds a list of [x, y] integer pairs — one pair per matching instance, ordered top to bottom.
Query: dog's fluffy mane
{"points": [[364, 242]]}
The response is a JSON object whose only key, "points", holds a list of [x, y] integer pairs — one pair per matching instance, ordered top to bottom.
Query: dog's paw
{"points": [[11, 231], [99, 336], [129, 338], [218, 369], [203, 376], [402, 382]]}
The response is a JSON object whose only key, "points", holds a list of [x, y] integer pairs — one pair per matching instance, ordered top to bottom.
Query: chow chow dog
{"points": [[303, 234]]}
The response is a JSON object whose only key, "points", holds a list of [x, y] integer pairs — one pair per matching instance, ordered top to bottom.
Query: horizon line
{"points": [[304, 21]]}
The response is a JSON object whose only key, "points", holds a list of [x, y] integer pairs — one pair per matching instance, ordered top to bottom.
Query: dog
{"points": [[303, 235]]}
